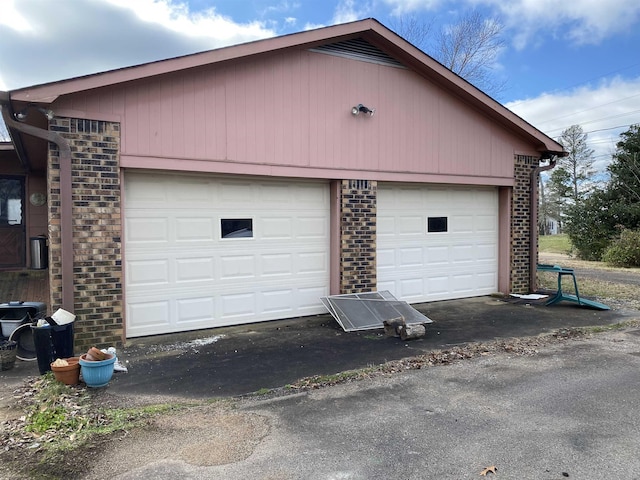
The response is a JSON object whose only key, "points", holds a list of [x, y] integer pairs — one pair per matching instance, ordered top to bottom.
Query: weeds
{"points": [[59, 418]]}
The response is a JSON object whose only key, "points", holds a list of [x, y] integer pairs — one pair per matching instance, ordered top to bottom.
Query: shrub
{"points": [[589, 228], [625, 250]]}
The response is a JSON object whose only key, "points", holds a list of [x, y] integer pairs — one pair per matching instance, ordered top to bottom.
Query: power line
{"points": [[589, 109], [598, 120], [610, 128]]}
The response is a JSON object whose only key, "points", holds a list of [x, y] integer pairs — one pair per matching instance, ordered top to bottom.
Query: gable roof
{"points": [[393, 48]]}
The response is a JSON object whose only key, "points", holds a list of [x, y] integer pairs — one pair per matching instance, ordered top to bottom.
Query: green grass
{"points": [[554, 244], [263, 391], [69, 425]]}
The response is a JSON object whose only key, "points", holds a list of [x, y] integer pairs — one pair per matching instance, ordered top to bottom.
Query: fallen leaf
{"points": [[491, 469]]}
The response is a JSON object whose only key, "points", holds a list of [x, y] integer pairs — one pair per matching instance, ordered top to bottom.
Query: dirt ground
{"points": [[594, 270]]}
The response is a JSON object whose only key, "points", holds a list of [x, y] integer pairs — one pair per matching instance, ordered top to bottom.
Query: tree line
{"points": [[601, 218]]}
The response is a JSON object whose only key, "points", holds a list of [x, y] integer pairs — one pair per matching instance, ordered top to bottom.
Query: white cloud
{"points": [[283, 7], [406, 7], [346, 11], [176, 16], [12, 18], [579, 21], [313, 26], [100, 35], [612, 103]]}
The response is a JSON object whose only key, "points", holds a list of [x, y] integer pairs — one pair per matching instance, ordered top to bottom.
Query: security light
{"points": [[361, 108]]}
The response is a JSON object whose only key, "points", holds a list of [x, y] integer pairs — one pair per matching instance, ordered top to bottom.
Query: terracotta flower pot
{"points": [[95, 354], [69, 374]]}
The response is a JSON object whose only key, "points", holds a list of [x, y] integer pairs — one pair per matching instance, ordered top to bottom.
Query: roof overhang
{"points": [[6, 112]]}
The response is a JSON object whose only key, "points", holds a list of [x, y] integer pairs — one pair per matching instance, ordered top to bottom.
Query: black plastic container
{"points": [[51, 342], [43, 346]]}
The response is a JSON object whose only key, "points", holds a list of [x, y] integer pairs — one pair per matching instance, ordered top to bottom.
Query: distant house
{"points": [[242, 184], [552, 226]]}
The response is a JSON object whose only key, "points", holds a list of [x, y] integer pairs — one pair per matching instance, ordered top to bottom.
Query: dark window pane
{"points": [[10, 201], [436, 224], [236, 227]]}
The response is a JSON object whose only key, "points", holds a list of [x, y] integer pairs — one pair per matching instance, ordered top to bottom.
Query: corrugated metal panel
{"points": [[358, 49]]}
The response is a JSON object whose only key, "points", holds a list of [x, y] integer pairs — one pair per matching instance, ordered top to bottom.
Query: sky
{"points": [[562, 63]]}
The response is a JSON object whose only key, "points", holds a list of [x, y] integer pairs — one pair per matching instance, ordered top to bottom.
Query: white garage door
{"points": [[437, 243], [206, 251]]}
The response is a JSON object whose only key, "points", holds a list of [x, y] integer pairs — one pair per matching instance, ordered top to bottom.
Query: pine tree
{"points": [[576, 180], [571, 181], [599, 219]]}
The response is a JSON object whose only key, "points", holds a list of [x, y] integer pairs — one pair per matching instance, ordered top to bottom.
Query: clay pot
{"points": [[95, 355], [69, 374]]}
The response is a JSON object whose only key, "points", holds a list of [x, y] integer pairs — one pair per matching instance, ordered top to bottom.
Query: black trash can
{"points": [[39, 252], [62, 340], [51, 342], [44, 347]]}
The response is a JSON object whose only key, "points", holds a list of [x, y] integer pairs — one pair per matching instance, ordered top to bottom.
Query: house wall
{"points": [[289, 114], [10, 164], [36, 216], [97, 229]]}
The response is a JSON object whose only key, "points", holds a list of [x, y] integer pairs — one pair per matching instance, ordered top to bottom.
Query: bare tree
{"points": [[413, 29], [469, 48], [577, 165]]}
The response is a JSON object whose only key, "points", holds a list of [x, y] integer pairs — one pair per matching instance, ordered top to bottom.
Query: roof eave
{"points": [[369, 29], [423, 63], [48, 92]]}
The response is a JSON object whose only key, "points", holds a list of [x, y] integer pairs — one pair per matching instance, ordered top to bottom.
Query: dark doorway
{"points": [[12, 222]]}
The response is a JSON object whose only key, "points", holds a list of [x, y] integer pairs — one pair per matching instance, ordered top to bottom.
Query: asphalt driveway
{"points": [[239, 360], [234, 361], [569, 411]]}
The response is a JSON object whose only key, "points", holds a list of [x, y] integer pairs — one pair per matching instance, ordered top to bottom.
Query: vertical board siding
{"points": [[293, 109]]}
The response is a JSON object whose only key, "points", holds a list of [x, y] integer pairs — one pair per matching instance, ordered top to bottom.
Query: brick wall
{"points": [[358, 203], [520, 223], [97, 272]]}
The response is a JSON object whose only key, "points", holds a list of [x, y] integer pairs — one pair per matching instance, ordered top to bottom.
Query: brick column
{"points": [[358, 204], [521, 228], [97, 229]]}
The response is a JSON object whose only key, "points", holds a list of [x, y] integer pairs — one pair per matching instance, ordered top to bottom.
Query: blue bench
{"points": [[560, 295]]}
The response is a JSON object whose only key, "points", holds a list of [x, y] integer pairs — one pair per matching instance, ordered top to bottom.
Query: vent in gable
{"points": [[358, 49]]}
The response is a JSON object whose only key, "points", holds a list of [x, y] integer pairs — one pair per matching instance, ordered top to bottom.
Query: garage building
{"points": [[242, 184]]}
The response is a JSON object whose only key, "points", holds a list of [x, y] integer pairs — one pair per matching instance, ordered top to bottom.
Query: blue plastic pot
{"points": [[97, 373]]}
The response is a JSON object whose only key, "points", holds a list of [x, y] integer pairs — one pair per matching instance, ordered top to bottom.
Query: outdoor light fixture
{"points": [[361, 108], [21, 116]]}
